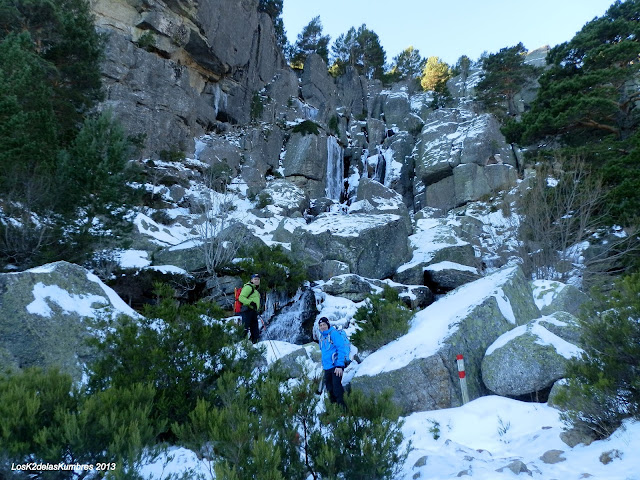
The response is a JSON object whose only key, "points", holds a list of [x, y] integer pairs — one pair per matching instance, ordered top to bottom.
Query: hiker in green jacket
{"points": [[250, 300]]}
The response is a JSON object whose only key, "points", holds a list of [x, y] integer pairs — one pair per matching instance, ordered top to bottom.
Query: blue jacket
{"points": [[333, 348]]}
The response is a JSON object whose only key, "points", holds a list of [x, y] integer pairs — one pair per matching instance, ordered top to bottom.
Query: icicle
{"points": [[335, 169], [381, 169]]}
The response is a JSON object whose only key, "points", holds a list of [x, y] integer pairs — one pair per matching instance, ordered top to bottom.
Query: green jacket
{"points": [[249, 294]]}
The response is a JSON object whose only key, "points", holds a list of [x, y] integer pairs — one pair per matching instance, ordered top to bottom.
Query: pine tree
{"points": [[63, 37], [309, 41], [360, 49], [344, 52], [373, 57], [407, 64], [463, 67], [505, 73], [435, 75], [50, 80], [584, 96], [587, 102], [29, 129], [279, 271], [179, 349], [44, 418], [250, 430], [364, 444]]}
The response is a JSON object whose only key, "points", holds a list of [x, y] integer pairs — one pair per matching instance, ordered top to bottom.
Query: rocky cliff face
{"points": [[174, 69]]}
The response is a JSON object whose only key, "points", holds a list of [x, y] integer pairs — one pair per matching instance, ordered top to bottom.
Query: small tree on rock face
{"points": [[273, 8], [309, 41], [360, 49], [407, 64], [463, 67], [505, 74], [435, 75]]}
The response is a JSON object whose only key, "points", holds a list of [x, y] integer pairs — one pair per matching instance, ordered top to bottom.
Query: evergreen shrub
{"points": [[257, 107], [333, 125], [307, 128], [174, 155], [58, 163], [219, 176], [263, 200], [278, 270], [381, 319], [179, 349], [603, 386], [45, 419], [270, 428], [245, 432], [364, 444]]}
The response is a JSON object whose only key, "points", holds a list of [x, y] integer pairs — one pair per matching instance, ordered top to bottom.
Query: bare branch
{"points": [[563, 213]]}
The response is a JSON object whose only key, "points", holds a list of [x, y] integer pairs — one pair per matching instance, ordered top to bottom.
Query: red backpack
{"points": [[237, 305]]}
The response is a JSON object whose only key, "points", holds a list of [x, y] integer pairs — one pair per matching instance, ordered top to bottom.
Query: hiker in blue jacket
{"points": [[334, 358]]}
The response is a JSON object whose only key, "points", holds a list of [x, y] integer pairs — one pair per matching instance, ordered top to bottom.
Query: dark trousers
{"points": [[250, 322], [333, 384]]}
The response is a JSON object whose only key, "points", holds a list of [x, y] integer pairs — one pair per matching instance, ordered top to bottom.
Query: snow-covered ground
{"points": [[490, 433]]}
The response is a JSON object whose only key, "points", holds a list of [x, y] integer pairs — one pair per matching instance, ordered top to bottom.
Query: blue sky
{"points": [[448, 28]]}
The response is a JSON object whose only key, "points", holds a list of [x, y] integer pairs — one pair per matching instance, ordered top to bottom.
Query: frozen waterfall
{"points": [[335, 169], [288, 325]]}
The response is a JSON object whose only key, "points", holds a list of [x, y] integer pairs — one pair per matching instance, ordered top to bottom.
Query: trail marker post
{"points": [[463, 379]]}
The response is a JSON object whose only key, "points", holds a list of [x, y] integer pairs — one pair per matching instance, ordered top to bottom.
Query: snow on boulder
{"points": [[397, 111], [453, 137], [286, 197], [373, 197], [434, 241], [371, 245], [444, 276], [357, 288], [552, 296], [46, 314], [564, 325], [527, 359], [294, 360], [420, 367]]}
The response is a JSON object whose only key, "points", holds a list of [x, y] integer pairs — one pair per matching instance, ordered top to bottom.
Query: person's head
{"points": [[255, 279], [323, 324]]}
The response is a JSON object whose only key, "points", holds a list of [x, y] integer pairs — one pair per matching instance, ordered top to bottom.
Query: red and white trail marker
{"points": [[463, 379]]}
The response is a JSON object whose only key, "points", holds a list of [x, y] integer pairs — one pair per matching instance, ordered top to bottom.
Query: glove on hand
{"points": [[253, 305]]}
